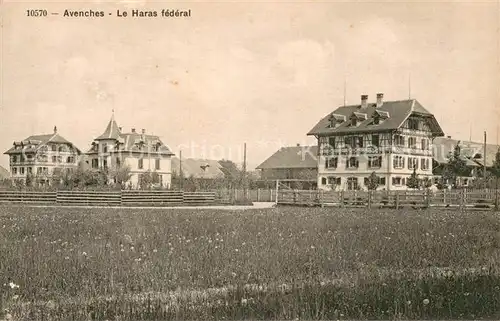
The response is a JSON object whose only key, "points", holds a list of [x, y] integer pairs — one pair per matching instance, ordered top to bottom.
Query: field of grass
{"points": [[283, 263]]}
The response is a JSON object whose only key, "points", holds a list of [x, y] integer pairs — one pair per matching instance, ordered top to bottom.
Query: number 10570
{"points": [[36, 13]]}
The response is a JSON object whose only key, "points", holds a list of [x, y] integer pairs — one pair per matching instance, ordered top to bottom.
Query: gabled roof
{"points": [[399, 111], [112, 130], [34, 142], [444, 146], [292, 157], [198, 168]]}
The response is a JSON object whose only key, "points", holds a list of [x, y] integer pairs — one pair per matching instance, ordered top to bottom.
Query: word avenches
{"points": [[86, 13], [163, 13]]}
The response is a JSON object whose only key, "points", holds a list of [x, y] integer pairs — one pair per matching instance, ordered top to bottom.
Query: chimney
{"points": [[380, 99], [364, 101], [55, 129], [120, 129], [133, 130], [143, 131], [449, 137], [298, 145]]}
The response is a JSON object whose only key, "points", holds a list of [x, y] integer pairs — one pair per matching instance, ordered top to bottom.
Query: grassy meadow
{"points": [[282, 263]]}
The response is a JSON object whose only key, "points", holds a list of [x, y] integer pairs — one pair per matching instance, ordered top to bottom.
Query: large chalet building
{"points": [[390, 138], [138, 151], [42, 157]]}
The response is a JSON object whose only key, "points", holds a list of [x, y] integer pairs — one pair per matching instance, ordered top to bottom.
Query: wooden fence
{"points": [[109, 198], [393, 199]]}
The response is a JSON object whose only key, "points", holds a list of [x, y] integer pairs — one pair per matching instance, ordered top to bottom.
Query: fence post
{"points": [[258, 194], [444, 196], [342, 198], [427, 198], [370, 199], [397, 200]]}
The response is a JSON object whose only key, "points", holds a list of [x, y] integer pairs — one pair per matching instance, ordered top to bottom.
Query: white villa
{"points": [[139, 151]]}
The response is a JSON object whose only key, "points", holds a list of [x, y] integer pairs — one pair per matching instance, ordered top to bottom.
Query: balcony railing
{"points": [[328, 151]]}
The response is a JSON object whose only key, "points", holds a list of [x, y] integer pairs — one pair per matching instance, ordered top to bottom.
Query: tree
{"points": [[455, 167], [495, 171], [122, 175], [29, 180], [146, 180], [373, 181], [413, 181], [426, 182]]}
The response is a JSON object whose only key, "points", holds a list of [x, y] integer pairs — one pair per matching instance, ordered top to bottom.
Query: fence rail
{"points": [[109, 198], [394, 199]]}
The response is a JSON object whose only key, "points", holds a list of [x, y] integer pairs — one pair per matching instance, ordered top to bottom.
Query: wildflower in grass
{"points": [[155, 250], [236, 250], [84, 253], [13, 285], [244, 301], [426, 301], [408, 302]]}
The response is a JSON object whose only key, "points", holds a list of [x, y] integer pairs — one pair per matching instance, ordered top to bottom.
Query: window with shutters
{"points": [[399, 140], [412, 142], [375, 161], [331, 162], [352, 162], [398, 162], [412, 163], [352, 183]]}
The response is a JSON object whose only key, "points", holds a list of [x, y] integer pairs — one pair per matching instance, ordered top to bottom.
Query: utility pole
{"points": [[484, 160], [245, 171], [181, 174]]}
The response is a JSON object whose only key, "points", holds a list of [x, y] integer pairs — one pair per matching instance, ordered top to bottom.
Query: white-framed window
{"points": [[399, 140], [412, 142], [425, 144], [374, 161], [331, 162], [352, 162], [398, 162], [140, 163], [157, 163], [412, 163], [424, 164], [14, 170], [21, 170], [332, 180], [397, 180], [323, 181], [352, 183]]}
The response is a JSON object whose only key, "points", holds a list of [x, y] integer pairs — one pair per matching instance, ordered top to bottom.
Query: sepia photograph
{"points": [[257, 160]]}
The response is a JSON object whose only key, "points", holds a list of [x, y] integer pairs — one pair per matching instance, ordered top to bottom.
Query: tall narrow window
{"points": [[376, 140], [331, 142], [140, 163], [157, 163]]}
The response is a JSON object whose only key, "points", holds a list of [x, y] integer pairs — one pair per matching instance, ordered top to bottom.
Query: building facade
{"points": [[391, 139], [140, 152], [42, 157], [293, 165]]}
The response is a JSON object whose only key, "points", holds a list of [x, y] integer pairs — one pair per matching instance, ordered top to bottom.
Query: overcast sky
{"points": [[262, 73]]}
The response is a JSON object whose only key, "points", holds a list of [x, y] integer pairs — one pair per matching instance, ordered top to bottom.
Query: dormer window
{"points": [[379, 116], [357, 118], [335, 120]]}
